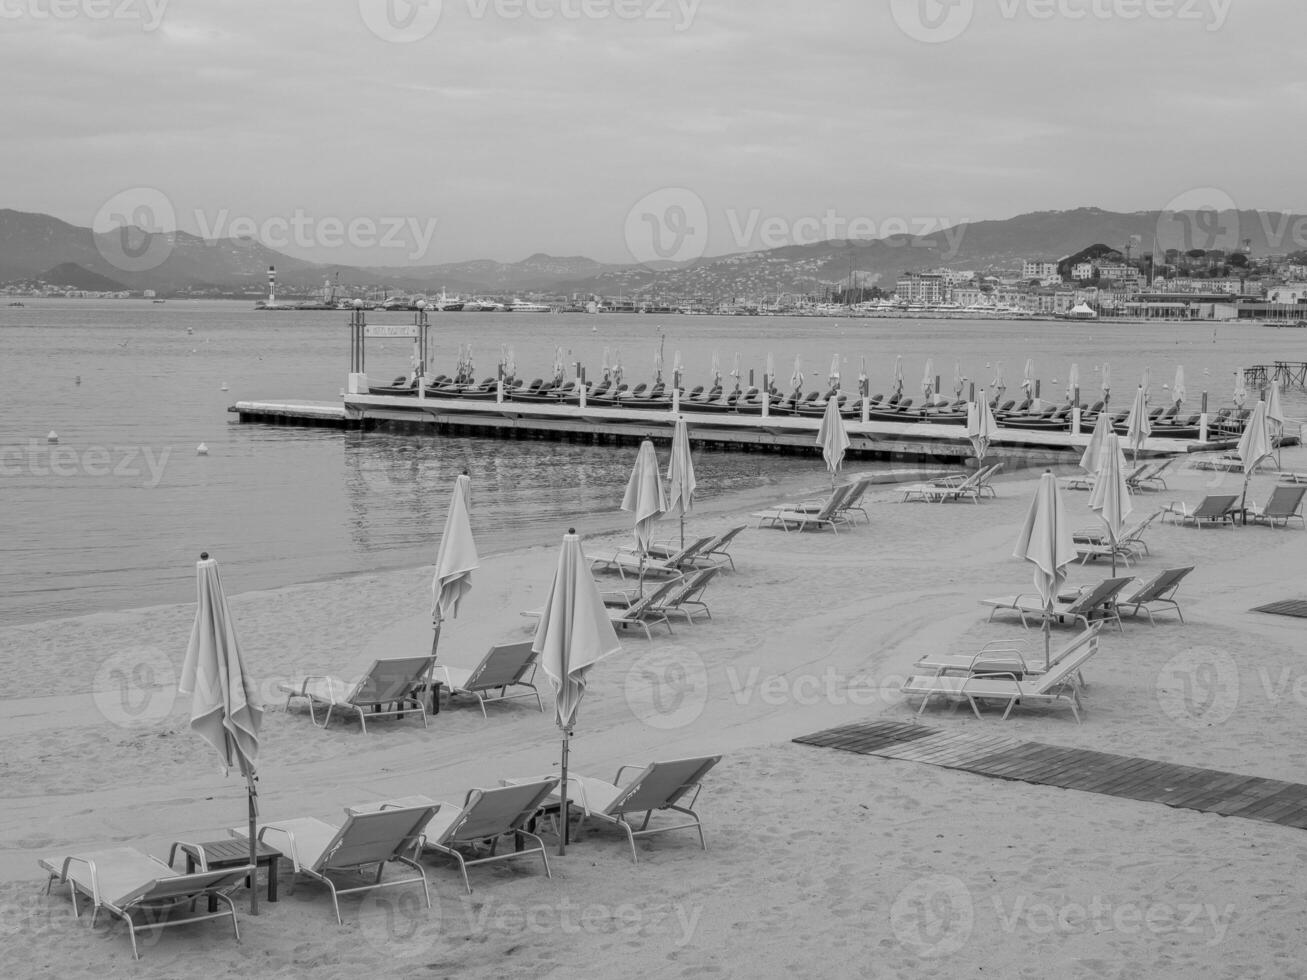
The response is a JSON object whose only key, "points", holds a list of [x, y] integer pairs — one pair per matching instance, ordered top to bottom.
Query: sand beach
{"points": [[819, 862]]}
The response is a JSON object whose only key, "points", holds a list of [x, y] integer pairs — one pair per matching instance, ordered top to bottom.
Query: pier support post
{"points": [[584, 388], [499, 391], [676, 399], [1075, 420], [1202, 421]]}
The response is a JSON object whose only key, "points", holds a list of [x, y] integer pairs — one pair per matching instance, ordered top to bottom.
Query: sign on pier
{"points": [[391, 330]]}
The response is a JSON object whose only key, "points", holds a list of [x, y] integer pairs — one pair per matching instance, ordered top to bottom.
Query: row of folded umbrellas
{"points": [[613, 371]]}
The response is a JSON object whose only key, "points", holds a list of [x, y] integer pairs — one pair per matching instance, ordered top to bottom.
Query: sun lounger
{"points": [[1149, 476], [940, 491], [852, 502], [1284, 505], [1215, 509], [826, 515], [1132, 538], [719, 548], [626, 560], [1159, 591], [687, 597], [1086, 605], [646, 610], [1008, 657], [505, 665], [1058, 684], [390, 688], [659, 786], [471, 833], [366, 839], [123, 880]]}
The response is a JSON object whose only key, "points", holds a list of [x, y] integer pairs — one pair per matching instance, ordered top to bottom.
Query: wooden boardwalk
{"points": [[1005, 757]]}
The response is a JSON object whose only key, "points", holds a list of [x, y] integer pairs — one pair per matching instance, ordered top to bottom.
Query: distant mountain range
{"points": [[38, 246]]}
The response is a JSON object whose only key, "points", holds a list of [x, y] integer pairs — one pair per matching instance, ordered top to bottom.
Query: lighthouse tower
{"points": [[272, 285]]}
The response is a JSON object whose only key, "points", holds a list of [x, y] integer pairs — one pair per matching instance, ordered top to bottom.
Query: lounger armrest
{"points": [[624, 596], [1004, 644], [980, 658], [289, 850], [199, 853], [95, 875]]}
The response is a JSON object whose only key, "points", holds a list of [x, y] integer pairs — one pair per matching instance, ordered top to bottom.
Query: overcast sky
{"points": [[376, 132]]}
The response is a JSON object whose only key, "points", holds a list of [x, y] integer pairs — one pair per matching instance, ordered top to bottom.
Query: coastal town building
{"points": [[1040, 269]]}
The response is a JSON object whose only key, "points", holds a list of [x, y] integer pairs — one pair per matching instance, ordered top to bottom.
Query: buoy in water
{"points": [[189, 330], [77, 380], [224, 386], [52, 438], [201, 450]]}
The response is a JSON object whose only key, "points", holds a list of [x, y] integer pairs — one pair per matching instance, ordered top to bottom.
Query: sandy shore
{"points": [[819, 862]]}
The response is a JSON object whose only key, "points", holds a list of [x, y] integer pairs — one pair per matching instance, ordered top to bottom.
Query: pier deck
{"points": [[776, 433]]}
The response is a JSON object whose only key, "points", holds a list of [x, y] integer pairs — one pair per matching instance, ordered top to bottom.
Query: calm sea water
{"points": [[115, 515]]}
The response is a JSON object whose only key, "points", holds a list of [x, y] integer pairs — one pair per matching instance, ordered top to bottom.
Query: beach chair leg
{"points": [[975, 708]]}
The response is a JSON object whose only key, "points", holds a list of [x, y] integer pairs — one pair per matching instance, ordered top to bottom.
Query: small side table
{"points": [[230, 853]]}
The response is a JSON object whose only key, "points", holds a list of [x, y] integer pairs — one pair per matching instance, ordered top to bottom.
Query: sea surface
{"points": [[115, 514]]}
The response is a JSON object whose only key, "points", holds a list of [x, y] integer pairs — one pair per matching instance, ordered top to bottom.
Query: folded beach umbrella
{"points": [[658, 363], [510, 364], [469, 366], [607, 366], [617, 367], [677, 368], [716, 370], [735, 370], [559, 373], [898, 375], [834, 376], [769, 377], [862, 377], [1028, 378], [796, 379], [928, 381], [959, 382], [1146, 382], [1107, 383], [1072, 384], [999, 385], [1240, 389], [1177, 390], [1275, 418], [1138, 426], [981, 427], [832, 438], [1254, 444], [1091, 461], [680, 476], [644, 496], [1110, 498], [1045, 541], [456, 559], [573, 635], [225, 707]]}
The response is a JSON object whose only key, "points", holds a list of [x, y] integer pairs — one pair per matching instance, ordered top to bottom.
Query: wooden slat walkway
{"points": [[1005, 757]]}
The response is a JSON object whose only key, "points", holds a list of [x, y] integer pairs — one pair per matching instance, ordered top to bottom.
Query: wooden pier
{"points": [[1290, 374], [570, 422]]}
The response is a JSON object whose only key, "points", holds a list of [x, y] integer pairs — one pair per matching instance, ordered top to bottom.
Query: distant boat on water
{"points": [[522, 306]]}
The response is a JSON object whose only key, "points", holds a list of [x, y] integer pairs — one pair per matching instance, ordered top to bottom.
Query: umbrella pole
{"points": [[682, 531], [252, 794], [563, 804]]}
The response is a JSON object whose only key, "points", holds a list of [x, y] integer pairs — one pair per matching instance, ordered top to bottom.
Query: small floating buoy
{"points": [[189, 330], [77, 380], [224, 386], [52, 438], [201, 450]]}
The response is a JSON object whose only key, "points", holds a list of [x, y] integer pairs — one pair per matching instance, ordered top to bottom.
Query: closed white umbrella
{"points": [[658, 364], [510, 365], [607, 366], [617, 367], [677, 368], [716, 370], [735, 371], [559, 372], [898, 375], [834, 376], [862, 376], [769, 378], [1028, 378], [796, 379], [928, 381], [959, 382], [1146, 382], [1072, 383], [1107, 384], [999, 385], [1240, 389], [1177, 390], [1275, 418], [1138, 425], [981, 427], [832, 438], [1254, 444], [1091, 461], [680, 476], [1110, 497], [645, 499], [1045, 541], [456, 559], [573, 635], [225, 707]]}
